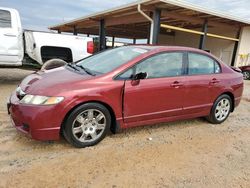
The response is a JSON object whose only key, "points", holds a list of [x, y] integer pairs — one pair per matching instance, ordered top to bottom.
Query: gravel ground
{"points": [[189, 153]]}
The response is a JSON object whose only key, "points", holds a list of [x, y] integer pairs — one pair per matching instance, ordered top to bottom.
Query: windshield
{"points": [[109, 60]]}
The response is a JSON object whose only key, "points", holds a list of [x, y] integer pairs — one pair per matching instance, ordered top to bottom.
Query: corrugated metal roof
{"points": [[178, 3], [197, 8], [104, 12]]}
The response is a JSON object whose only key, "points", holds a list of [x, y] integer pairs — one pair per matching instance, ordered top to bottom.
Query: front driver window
{"points": [[162, 65], [126, 75]]}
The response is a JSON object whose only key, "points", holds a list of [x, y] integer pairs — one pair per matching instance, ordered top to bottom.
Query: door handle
{"points": [[10, 35], [214, 81], [176, 84]]}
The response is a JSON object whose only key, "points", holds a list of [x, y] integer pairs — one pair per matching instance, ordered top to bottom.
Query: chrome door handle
{"points": [[214, 81], [176, 84]]}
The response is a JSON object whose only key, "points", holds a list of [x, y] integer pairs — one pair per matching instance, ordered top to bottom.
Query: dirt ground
{"points": [[189, 153]]}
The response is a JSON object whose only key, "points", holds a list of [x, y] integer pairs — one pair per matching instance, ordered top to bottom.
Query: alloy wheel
{"points": [[222, 109], [89, 125]]}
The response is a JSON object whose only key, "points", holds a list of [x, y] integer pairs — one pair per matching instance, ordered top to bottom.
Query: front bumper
{"points": [[38, 122]]}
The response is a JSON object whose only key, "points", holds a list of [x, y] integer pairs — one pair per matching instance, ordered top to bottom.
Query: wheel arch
{"points": [[56, 52], [231, 95], [114, 124]]}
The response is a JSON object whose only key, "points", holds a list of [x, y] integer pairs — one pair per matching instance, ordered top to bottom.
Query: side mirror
{"points": [[140, 76]]}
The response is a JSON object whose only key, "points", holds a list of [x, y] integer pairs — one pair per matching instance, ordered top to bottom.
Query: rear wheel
{"points": [[246, 75], [220, 110], [87, 125]]}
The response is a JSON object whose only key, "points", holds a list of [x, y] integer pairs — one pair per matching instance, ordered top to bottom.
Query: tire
{"points": [[53, 63], [246, 75], [221, 109], [87, 125]]}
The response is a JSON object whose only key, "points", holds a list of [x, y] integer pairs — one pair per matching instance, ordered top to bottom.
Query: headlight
{"points": [[41, 100]]}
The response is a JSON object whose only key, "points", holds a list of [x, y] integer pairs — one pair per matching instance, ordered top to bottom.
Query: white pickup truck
{"points": [[21, 48]]}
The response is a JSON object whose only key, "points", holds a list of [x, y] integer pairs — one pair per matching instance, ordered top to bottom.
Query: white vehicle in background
{"points": [[19, 48]]}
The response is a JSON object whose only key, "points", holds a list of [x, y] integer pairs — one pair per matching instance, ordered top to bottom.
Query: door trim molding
{"points": [[198, 106], [153, 113]]}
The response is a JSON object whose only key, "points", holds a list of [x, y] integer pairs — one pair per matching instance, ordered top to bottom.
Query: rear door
{"points": [[11, 45], [203, 83], [158, 96]]}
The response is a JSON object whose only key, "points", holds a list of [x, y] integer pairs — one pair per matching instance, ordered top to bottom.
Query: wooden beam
{"points": [[130, 19], [196, 20], [111, 21], [87, 24], [130, 29], [113, 32], [130, 34]]}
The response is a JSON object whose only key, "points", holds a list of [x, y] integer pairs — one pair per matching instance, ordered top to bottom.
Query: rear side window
{"points": [[5, 19], [201, 64]]}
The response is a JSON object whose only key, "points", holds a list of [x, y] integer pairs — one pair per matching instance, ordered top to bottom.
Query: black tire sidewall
{"points": [[248, 73], [212, 115], [67, 128]]}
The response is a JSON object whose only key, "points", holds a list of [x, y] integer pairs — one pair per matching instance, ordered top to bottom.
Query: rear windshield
{"points": [[5, 19], [109, 60]]}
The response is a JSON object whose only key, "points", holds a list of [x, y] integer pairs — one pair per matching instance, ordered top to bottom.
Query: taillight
{"points": [[90, 47]]}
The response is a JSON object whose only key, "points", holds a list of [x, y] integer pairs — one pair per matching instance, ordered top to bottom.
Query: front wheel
{"points": [[220, 110], [87, 125]]}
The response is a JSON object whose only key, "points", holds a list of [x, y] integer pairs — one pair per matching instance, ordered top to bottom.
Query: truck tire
{"points": [[53, 63]]}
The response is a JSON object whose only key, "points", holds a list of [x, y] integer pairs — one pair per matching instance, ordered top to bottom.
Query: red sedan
{"points": [[124, 87]]}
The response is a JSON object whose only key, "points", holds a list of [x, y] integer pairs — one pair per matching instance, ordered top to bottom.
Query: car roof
{"points": [[161, 47], [158, 48]]}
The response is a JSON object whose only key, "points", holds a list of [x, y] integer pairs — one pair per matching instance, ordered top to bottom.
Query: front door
{"points": [[11, 45], [160, 94]]}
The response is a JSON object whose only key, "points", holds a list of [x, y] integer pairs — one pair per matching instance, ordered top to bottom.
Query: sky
{"points": [[40, 14]]}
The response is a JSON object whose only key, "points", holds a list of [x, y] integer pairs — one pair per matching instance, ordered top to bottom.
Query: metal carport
{"points": [[160, 21]]}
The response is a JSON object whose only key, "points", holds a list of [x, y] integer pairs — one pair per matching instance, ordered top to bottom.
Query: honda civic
{"points": [[124, 87]]}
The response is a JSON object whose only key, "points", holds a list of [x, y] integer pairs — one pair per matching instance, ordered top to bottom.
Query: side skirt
{"points": [[163, 120]]}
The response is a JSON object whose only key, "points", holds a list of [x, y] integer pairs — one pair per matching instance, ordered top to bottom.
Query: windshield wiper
{"points": [[72, 66], [88, 71]]}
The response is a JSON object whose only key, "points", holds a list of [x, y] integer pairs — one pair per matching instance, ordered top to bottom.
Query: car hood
{"points": [[53, 82]]}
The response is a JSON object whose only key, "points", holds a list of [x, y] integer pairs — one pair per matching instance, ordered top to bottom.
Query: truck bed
{"points": [[40, 46]]}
